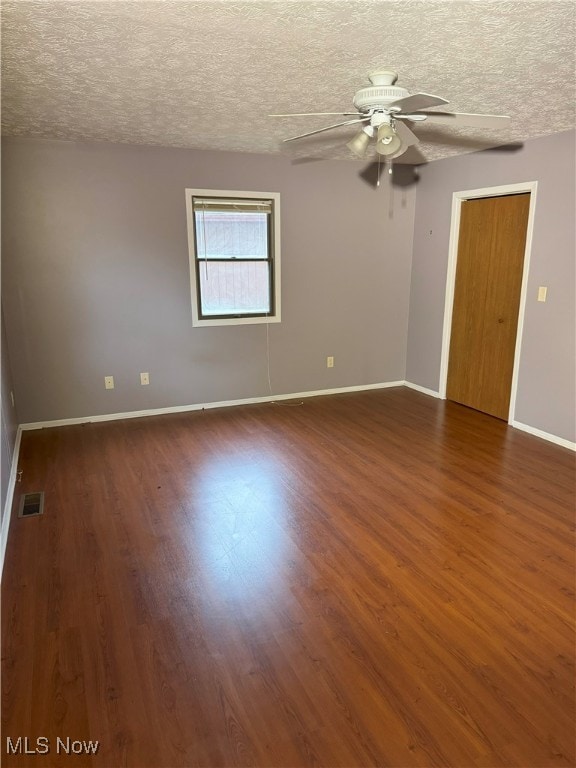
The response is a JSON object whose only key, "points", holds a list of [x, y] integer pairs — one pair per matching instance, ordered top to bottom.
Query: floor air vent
{"points": [[31, 504]]}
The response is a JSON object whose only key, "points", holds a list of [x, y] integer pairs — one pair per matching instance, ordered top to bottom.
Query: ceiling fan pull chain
{"points": [[388, 165]]}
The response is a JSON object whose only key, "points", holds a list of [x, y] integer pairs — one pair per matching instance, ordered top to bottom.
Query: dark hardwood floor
{"points": [[372, 579]]}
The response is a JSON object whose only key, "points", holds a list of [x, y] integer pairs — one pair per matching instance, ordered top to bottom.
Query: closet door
{"points": [[489, 268]]}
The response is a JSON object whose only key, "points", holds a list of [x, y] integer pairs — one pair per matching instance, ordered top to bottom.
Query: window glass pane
{"points": [[229, 234], [230, 288]]}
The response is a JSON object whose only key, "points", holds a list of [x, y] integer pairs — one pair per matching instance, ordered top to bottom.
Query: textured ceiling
{"points": [[206, 74]]}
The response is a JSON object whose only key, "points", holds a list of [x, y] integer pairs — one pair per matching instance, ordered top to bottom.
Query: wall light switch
{"points": [[542, 291], [330, 362], [144, 379], [109, 382]]}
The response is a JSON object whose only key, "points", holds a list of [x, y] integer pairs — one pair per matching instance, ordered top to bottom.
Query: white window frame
{"points": [[197, 321]]}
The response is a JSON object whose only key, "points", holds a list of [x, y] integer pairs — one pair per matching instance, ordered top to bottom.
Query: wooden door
{"points": [[486, 302]]}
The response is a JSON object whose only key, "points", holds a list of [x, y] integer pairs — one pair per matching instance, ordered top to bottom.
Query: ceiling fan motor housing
{"points": [[378, 97]]}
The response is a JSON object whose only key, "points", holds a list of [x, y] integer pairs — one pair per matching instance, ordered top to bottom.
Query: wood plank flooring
{"points": [[371, 579]]}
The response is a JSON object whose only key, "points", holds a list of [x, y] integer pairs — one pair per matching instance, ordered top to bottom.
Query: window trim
{"points": [[275, 315]]}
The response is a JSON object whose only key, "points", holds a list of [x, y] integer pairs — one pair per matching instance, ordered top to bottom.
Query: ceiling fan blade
{"points": [[418, 101], [306, 114], [414, 118], [463, 118], [327, 128], [408, 138]]}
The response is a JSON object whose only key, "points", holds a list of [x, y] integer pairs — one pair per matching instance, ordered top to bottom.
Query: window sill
{"points": [[196, 323]]}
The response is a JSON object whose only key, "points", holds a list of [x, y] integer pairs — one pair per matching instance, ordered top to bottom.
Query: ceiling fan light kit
{"points": [[386, 108], [388, 142], [359, 144]]}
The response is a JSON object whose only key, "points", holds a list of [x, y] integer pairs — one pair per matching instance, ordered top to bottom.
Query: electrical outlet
{"points": [[542, 291], [330, 362], [144, 379], [109, 382]]}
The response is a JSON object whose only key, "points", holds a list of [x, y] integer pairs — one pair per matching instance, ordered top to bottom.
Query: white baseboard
{"points": [[424, 390], [228, 403], [205, 406], [516, 424], [544, 435], [7, 512]]}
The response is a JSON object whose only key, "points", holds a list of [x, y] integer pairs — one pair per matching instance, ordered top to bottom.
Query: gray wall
{"points": [[96, 279], [546, 393], [9, 421]]}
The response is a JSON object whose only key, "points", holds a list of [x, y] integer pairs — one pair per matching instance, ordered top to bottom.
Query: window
{"points": [[234, 245]]}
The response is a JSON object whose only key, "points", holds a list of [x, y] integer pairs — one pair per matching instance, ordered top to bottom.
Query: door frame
{"points": [[457, 199]]}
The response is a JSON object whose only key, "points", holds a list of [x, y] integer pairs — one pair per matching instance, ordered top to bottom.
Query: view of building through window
{"points": [[234, 248], [233, 267]]}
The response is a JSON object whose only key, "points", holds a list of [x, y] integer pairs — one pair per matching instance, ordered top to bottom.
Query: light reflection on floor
{"points": [[236, 534]]}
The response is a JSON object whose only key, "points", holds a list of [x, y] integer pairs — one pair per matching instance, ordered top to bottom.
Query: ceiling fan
{"points": [[386, 108]]}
